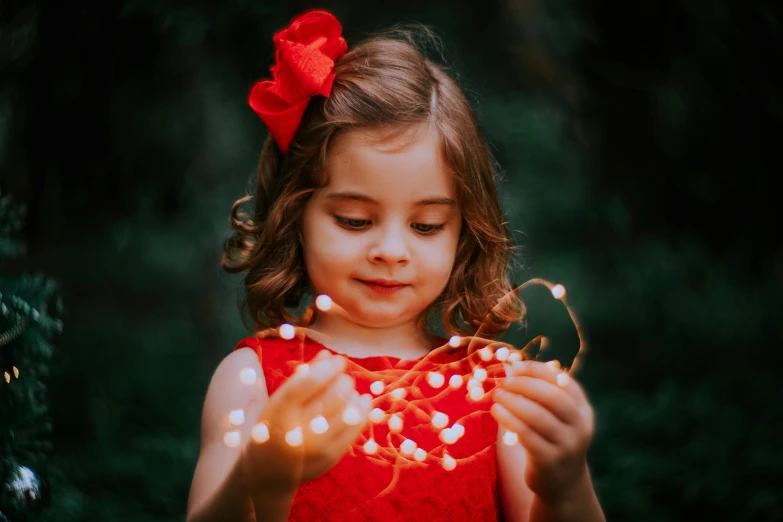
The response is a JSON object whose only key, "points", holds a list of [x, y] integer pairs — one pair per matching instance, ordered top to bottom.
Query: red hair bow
{"points": [[304, 59]]}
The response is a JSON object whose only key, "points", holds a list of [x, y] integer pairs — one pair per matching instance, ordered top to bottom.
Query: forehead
{"points": [[401, 165]]}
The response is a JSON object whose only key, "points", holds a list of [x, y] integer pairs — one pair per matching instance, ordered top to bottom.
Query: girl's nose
{"points": [[390, 246]]}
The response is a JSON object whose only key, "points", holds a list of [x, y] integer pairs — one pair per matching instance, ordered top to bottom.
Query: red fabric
{"points": [[304, 58], [364, 488]]}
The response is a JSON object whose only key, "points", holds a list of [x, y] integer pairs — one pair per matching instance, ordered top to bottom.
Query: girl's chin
{"points": [[370, 315]]}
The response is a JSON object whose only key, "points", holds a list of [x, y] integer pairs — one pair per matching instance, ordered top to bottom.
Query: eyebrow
{"points": [[355, 196]]}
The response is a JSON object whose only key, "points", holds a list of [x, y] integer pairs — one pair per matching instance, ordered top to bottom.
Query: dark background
{"points": [[639, 143]]}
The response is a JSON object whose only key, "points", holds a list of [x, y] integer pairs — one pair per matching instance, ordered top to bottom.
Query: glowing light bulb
{"points": [[558, 291], [323, 302], [287, 331], [454, 341], [502, 353], [485, 354], [514, 356], [554, 365], [303, 369], [16, 372], [480, 374], [7, 376], [247, 376], [435, 379], [563, 379], [455, 381], [473, 383], [377, 387], [476, 393], [398, 394], [351, 415], [377, 415], [237, 417], [440, 420], [395, 423], [319, 424], [458, 429], [260, 432], [449, 436], [294, 437], [510, 438], [231, 439], [370, 447], [408, 447], [420, 455], [449, 463]]}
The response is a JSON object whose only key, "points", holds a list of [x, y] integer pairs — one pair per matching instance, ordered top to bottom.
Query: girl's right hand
{"points": [[322, 389]]}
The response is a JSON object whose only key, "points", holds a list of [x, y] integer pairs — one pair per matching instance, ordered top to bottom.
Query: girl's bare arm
{"points": [[218, 491]]}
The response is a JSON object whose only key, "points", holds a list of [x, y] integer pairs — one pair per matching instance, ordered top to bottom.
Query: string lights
{"points": [[399, 405]]}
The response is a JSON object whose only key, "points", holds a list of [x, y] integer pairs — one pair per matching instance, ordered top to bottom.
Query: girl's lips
{"points": [[383, 282], [382, 289]]}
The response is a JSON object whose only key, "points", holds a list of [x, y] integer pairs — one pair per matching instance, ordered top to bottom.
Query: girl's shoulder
{"points": [[234, 363], [228, 391]]}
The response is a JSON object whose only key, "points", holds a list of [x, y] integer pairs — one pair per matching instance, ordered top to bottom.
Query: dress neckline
{"points": [[374, 358]]}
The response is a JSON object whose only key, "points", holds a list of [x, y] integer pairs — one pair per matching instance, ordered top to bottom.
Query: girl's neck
{"points": [[400, 344]]}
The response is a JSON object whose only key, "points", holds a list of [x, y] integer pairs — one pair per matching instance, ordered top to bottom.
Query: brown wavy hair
{"points": [[385, 81]]}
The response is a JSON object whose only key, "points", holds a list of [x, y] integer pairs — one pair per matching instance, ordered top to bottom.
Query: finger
{"points": [[323, 354], [551, 373], [308, 381], [548, 395], [333, 399], [353, 402], [356, 412], [349, 414], [532, 414], [332, 415], [326, 430], [347, 433], [534, 443]]}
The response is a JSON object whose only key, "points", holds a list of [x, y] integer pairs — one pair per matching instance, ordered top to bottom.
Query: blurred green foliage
{"points": [[635, 143]]}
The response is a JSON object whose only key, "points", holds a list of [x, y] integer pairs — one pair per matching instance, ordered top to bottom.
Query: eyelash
{"points": [[433, 228]]}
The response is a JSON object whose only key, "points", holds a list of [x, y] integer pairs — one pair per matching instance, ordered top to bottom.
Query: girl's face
{"points": [[371, 222]]}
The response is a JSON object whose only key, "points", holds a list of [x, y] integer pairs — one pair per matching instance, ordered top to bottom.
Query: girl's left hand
{"points": [[551, 415]]}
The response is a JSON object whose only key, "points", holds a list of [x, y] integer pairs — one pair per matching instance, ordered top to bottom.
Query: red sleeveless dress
{"points": [[392, 484]]}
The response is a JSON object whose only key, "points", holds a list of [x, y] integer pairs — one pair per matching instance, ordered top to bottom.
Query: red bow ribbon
{"points": [[304, 59]]}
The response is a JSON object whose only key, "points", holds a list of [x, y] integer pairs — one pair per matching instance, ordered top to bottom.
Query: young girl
{"points": [[376, 194]]}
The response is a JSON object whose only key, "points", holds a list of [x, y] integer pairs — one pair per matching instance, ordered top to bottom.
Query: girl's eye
{"points": [[351, 223], [356, 224], [431, 229]]}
